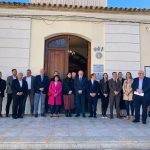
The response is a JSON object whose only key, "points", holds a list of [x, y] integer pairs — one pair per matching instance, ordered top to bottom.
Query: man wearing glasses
{"points": [[141, 88]]}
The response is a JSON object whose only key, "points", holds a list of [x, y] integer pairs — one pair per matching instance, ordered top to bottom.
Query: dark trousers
{"points": [[31, 97], [9, 100], [115, 100], [1, 101], [105, 102], [138, 102], [80, 103], [46, 104], [93, 105], [17, 106], [129, 107], [55, 109]]}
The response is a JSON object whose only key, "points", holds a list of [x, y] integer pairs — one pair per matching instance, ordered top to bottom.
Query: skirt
{"points": [[68, 102]]}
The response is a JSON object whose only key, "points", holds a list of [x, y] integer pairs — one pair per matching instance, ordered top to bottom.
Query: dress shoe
{"points": [[66, 113], [149, 114], [7, 115], [36, 115], [43, 115], [57, 115], [69, 115], [77, 115], [1, 116], [20, 116], [83, 116], [90, 116], [95, 116], [105, 116], [14, 117], [111, 117], [119, 117], [135, 121], [144, 122]]}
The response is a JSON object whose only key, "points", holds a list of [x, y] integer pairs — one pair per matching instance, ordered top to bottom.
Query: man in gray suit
{"points": [[30, 82], [115, 87], [9, 90]]}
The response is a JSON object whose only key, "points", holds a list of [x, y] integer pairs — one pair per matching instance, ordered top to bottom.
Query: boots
{"points": [[66, 113], [69, 114]]}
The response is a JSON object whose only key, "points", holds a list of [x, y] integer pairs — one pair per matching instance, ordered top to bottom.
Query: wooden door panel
{"points": [[57, 61]]}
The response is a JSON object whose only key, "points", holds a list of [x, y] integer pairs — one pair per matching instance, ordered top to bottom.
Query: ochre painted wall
{"points": [[93, 32]]}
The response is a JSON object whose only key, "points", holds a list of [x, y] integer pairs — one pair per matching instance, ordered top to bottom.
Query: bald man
{"points": [[41, 84], [80, 86], [19, 89], [141, 89]]}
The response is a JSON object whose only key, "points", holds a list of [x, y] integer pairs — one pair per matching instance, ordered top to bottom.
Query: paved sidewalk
{"points": [[73, 133]]}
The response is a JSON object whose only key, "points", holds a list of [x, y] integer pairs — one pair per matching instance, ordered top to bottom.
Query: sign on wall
{"points": [[98, 50], [98, 70], [147, 71]]}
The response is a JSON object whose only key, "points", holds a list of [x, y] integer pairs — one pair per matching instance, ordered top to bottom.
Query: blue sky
{"points": [[113, 3]]}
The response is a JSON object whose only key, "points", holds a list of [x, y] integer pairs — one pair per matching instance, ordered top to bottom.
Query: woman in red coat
{"points": [[55, 93]]}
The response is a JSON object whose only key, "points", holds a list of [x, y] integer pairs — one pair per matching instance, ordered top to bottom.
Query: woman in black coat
{"points": [[104, 92], [68, 94]]}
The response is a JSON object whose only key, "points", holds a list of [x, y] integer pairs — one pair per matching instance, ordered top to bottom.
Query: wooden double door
{"points": [[57, 57], [57, 61]]}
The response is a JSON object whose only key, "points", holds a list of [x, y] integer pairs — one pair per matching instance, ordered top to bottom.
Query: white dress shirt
{"points": [[14, 77], [28, 79], [92, 81], [20, 82], [140, 84]]}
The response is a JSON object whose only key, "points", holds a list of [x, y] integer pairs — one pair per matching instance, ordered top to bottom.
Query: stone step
{"points": [[73, 133], [100, 145]]}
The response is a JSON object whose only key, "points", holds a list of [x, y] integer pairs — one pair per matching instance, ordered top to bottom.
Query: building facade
{"points": [[105, 39]]}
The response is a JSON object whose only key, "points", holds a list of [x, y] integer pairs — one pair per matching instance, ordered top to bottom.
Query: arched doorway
{"points": [[65, 53]]}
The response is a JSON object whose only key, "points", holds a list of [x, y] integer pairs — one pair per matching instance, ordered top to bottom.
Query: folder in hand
{"points": [[139, 94]]}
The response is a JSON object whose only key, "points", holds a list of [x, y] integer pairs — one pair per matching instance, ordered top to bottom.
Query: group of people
{"points": [[74, 91]]}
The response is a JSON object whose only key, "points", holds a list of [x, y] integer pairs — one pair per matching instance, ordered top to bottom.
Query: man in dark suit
{"points": [[30, 82], [41, 84], [80, 85], [115, 88], [141, 88], [2, 89], [19, 89], [93, 89], [9, 90], [122, 102]]}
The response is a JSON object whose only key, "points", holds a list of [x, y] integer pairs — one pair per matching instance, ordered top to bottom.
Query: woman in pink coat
{"points": [[55, 93]]}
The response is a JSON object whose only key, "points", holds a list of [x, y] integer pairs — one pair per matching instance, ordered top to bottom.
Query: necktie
{"points": [[41, 78], [80, 79], [115, 82]]}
